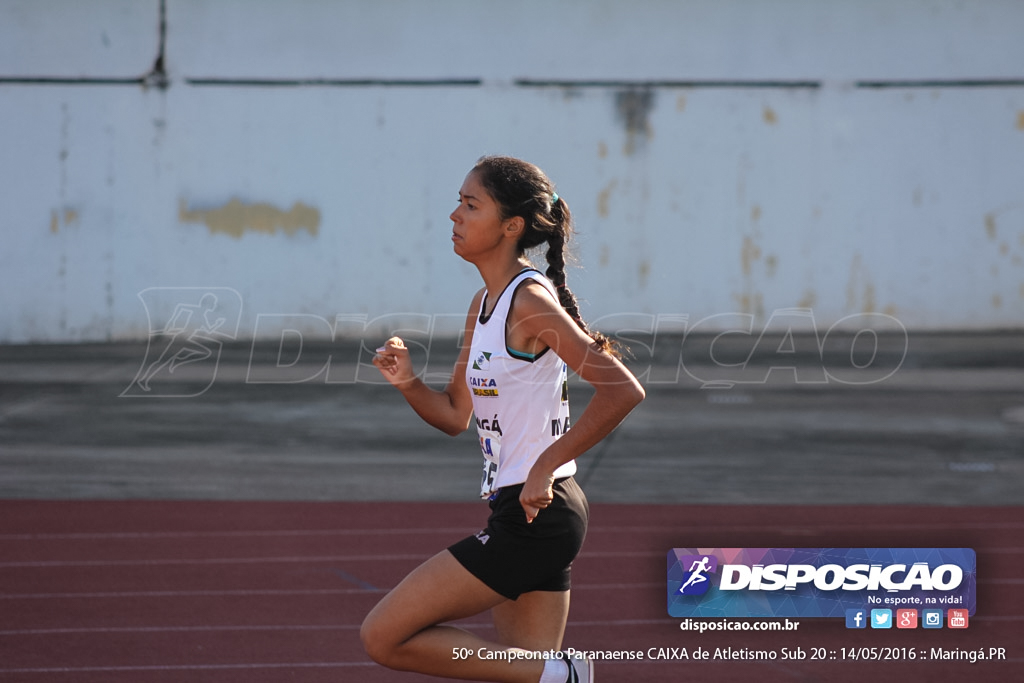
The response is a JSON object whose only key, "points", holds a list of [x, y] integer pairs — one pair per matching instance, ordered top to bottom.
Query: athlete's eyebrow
{"points": [[466, 196]]}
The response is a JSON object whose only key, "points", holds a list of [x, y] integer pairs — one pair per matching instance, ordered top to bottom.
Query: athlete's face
{"points": [[476, 222]]}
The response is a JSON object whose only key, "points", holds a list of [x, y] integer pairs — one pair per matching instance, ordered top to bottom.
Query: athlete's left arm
{"points": [[537, 317]]}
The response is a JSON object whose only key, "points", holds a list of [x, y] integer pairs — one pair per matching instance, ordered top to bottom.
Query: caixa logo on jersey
{"points": [[817, 582]]}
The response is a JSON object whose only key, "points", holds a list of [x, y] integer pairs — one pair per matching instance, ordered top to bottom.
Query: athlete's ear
{"points": [[514, 226]]}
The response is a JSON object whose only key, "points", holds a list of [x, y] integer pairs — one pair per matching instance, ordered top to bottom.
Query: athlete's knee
{"points": [[379, 640], [375, 641]]}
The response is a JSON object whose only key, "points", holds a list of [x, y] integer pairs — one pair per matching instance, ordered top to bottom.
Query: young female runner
{"points": [[522, 331]]}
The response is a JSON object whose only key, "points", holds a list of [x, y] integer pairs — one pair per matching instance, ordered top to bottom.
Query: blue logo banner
{"points": [[818, 582]]}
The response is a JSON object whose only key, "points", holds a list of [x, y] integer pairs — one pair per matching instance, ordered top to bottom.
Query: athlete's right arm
{"points": [[450, 409]]}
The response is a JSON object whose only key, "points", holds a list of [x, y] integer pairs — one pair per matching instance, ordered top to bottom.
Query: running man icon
{"points": [[191, 334], [190, 338], [697, 583]]}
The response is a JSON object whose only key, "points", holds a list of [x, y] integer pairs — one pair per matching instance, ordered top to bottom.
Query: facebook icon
{"points": [[856, 618]]}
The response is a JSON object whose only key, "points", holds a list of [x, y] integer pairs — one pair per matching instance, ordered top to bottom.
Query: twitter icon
{"points": [[881, 618]]}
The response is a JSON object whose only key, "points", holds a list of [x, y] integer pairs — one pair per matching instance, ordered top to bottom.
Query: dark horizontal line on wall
{"points": [[65, 80], [336, 82], [521, 82], [532, 83], [946, 83]]}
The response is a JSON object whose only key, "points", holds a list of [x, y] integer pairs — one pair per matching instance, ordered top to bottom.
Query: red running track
{"points": [[145, 591]]}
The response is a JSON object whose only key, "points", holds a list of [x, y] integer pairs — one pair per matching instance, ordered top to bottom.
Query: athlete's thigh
{"points": [[437, 591], [536, 621]]}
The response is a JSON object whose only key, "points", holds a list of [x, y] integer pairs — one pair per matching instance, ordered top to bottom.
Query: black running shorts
{"points": [[513, 557]]}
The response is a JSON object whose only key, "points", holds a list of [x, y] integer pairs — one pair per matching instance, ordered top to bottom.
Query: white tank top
{"points": [[521, 403]]}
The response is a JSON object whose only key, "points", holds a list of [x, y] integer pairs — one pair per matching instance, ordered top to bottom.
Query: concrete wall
{"points": [[301, 158]]}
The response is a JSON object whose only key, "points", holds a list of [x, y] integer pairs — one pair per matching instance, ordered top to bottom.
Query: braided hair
{"points": [[522, 189]]}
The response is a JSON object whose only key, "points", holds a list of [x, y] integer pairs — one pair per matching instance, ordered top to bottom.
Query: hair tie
{"points": [[554, 198]]}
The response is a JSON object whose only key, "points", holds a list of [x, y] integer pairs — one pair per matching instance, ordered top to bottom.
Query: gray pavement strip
{"points": [[946, 428]]}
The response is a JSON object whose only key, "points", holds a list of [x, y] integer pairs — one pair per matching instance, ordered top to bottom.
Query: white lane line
{"points": [[420, 531], [288, 533], [343, 558], [212, 560], [271, 560], [270, 592], [192, 593], [603, 623], [289, 627], [186, 667]]}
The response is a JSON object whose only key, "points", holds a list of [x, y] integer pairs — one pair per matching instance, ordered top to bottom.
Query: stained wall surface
{"points": [[297, 161]]}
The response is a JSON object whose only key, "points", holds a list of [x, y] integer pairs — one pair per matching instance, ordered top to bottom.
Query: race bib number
{"points": [[490, 446]]}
